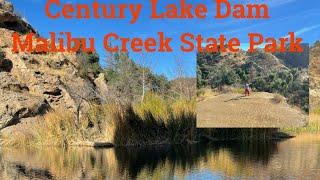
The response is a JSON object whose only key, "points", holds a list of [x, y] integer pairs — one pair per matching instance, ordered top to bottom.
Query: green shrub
{"points": [[89, 65]]}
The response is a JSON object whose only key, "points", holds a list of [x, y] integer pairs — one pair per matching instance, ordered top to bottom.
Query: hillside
{"points": [[298, 60], [265, 72], [32, 84], [263, 110]]}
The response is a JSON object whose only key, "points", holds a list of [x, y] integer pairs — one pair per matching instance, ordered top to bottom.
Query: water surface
{"points": [[296, 158]]}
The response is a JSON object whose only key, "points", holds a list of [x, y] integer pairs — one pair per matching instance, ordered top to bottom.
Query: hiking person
{"points": [[247, 89]]}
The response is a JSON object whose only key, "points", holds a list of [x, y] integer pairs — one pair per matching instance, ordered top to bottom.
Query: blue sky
{"points": [[300, 16]]}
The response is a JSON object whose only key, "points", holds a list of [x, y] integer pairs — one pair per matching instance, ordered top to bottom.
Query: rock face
{"points": [[10, 20], [315, 76], [30, 84], [101, 85], [17, 102]]}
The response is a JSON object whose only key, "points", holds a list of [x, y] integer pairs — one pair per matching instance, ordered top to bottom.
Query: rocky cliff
{"points": [[12, 21], [315, 76], [31, 84]]}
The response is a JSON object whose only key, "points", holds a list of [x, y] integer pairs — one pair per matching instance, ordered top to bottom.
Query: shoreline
{"points": [[206, 140]]}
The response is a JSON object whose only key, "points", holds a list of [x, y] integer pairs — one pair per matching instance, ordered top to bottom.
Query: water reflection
{"points": [[260, 152], [135, 160], [273, 160]]}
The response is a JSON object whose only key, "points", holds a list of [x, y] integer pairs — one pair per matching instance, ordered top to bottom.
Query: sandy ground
{"points": [[258, 110]]}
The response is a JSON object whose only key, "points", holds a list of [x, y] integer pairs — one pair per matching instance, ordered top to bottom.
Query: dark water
{"points": [[297, 158]]}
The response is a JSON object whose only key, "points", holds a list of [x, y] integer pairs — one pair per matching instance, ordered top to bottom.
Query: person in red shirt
{"points": [[247, 89]]}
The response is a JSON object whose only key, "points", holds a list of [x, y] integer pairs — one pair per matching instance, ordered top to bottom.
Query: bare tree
{"points": [[146, 65], [182, 84]]}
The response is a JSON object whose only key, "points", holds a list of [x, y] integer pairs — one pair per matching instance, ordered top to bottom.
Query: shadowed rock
{"points": [[12, 21]]}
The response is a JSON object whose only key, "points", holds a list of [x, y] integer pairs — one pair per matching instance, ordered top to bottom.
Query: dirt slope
{"points": [[258, 110]]}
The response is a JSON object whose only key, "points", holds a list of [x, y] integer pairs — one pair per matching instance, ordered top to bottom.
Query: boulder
{"points": [[101, 85]]}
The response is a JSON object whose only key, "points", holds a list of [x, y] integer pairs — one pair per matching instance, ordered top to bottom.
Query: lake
{"points": [[297, 158]]}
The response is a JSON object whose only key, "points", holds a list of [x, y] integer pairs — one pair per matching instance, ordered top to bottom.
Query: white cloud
{"points": [[305, 30]]}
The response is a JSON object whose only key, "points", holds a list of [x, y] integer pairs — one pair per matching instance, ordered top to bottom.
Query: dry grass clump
{"points": [[237, 90], [205, 93], [277, 98], [155, 105], [183, 106], [316, 111], [111, 112], [157, 121], [312, 127], [56, 128], [59, 128], [62, 128], [17, 139]]}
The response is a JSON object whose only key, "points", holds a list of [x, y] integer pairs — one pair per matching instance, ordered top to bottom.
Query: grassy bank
{"points": [[153, 122], [313, 126]]}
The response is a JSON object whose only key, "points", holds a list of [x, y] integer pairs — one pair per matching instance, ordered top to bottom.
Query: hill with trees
{"points": [[264, 72]]}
